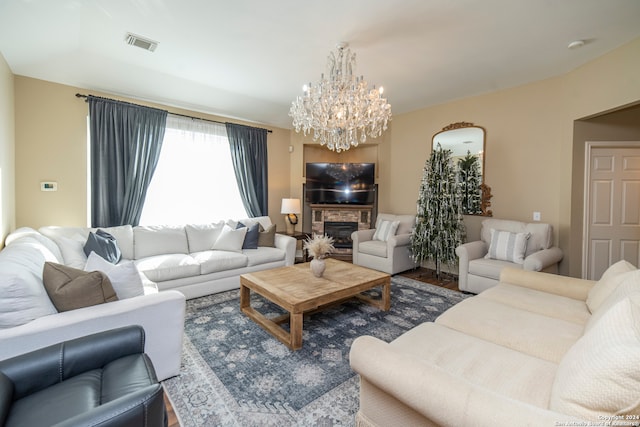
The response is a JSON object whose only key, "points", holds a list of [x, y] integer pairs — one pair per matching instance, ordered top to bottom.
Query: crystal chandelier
{"points": [[341, 109]]}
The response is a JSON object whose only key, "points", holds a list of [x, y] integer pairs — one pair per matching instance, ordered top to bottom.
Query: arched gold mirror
{"points": [[467, 144]]}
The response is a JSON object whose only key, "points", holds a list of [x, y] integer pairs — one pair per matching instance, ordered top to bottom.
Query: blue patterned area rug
{"points": [[234, 373]]}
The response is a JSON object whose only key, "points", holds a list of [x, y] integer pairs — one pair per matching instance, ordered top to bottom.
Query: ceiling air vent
{"points": [[141, 42]]}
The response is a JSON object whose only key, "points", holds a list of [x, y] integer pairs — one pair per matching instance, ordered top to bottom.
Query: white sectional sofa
{"points": [[181, 257], [175, 258], [537, 349]]}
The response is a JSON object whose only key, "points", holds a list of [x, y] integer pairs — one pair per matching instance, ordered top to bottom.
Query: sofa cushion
{"points": [[385, 230], [267, 236], [201, 237], [41, 239], [230, 239], [70, 240], [159, 240], [104, 245], [507, 246], [373, 247], [263, 255], [213, 261], [159, 268], [490, 268], [125, 277], [611, 278], [628, 285], [70, 288], [22, 296], [535, 301], [513, 328], [495, 367], [600, 375]]}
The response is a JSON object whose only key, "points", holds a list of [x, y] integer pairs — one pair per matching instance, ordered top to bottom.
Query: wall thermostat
{"points": [[48, 186]]}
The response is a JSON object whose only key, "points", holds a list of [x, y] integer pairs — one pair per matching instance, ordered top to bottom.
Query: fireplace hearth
{"points": [[341, 232]]}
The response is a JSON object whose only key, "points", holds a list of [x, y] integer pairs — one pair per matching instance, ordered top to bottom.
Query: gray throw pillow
{"points": [[251, 238], [103, 244], [70, 288]]}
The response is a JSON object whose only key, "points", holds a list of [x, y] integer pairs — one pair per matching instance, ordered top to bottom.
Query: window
{"points": [[194, 182]]}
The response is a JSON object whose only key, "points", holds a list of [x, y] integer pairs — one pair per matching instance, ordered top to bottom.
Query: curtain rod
{"points": [[79, 95]]}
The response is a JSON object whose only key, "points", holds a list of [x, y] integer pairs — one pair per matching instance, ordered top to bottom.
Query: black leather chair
{"points": [[104, 379]]}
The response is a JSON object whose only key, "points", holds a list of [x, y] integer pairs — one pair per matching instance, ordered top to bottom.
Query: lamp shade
{"points": [[290, 206]]}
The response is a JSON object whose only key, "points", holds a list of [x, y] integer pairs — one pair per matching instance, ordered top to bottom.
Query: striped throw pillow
{"points": [[385, 230], [507, 246]]}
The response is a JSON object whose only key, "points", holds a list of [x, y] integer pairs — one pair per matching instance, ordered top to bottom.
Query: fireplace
{"points": [[341, 232]]}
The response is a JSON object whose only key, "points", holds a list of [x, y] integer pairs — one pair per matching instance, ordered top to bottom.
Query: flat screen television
{"points": [[340, 183]]}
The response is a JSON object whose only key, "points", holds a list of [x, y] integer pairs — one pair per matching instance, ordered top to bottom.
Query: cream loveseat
{"points": [[505, 243], [174, 257], [536, 350]]}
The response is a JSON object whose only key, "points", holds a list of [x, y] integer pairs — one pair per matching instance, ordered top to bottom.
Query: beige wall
{"points": [[529, 140], [51, 144], [529, 145], [7, 150], [529, 153]]}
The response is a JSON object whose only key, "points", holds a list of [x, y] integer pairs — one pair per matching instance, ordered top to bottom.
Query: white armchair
{"points": [[389, 253], [480, 264]]}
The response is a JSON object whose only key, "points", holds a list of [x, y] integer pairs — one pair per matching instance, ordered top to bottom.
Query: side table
{"points": [[300, 236]]}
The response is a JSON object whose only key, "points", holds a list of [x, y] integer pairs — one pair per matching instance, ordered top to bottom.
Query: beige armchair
{"points": [[388, 246], [528, 246]]}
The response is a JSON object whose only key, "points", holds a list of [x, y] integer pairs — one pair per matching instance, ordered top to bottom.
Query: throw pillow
{"points": [[385, 230], [201, 237], [267, 237], [251, 238], [230, 239], [104, 244], [507, 246], [72, 251], [125, 277], [611, 278], [70, 288], [599, 375]]}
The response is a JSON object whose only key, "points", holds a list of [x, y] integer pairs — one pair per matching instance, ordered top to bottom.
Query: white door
{"points": [[612, 208]]}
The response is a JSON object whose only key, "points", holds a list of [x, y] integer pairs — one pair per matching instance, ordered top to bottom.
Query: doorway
{"points": [[612, 206]]}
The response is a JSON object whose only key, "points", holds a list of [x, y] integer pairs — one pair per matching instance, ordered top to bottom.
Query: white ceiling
{"points": [[248, 59]]}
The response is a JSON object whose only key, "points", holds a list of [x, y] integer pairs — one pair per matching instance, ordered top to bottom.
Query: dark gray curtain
{"points": [[125, 146], [249, 156]]}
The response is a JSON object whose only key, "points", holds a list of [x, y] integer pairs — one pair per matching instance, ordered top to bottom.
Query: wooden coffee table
{"points": [[298, 291]]}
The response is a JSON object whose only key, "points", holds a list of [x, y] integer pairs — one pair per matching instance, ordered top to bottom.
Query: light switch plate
{"points": [[536, 216]]}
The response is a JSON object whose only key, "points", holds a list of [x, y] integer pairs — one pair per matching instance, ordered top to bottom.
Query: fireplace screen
{"points": [[341, 232]]}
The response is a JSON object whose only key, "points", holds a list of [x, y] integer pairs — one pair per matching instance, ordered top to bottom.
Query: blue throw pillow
{"points": [[252, 236], [103, 244]]}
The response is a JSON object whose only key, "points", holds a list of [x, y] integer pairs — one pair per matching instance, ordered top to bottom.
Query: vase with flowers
{"points": [[319, 247]]}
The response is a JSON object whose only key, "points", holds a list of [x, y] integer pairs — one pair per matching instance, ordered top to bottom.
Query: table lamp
{"points": [[290, 209]]}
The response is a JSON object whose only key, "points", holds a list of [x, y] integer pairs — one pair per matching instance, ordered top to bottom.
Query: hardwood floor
{"points": [[421, 274], [426, 275], [173, 419]]}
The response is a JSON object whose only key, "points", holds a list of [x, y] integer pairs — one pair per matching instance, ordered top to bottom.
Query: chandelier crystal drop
{"points": [[341, 109]]}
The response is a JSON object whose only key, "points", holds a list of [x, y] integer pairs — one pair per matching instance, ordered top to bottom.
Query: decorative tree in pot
{"points": [[439, 227], [319, 247]]}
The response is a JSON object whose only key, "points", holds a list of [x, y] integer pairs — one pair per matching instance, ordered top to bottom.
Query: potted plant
{"points": [[319, 247]]}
